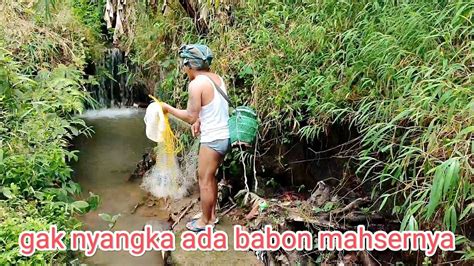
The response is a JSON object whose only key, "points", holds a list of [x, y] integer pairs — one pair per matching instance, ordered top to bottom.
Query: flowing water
{"points": [[114, 75], [106, 161]]}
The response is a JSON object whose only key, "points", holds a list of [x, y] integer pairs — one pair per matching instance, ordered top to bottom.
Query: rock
{"points": [[143, 166], [224, 190], [321, 195]]}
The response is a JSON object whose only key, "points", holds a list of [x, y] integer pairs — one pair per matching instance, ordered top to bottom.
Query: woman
{"points": [[208, 112]]}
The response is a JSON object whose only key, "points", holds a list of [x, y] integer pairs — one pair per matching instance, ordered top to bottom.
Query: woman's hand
{"points": [[165, 107], [196, 128]]}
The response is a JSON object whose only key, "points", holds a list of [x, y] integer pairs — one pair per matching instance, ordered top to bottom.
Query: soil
{"points": [[181, 257]]}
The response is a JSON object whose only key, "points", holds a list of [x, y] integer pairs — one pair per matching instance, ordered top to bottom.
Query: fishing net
{"points": [[169, 177]]}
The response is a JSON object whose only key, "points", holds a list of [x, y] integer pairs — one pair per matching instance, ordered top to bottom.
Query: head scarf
{"points": [[196, 56]]}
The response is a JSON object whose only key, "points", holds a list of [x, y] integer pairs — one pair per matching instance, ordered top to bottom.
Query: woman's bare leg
{"points": [[208, 163]]}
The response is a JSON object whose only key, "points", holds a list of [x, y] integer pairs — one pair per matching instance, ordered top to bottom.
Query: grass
{"points": [[400, 72]]}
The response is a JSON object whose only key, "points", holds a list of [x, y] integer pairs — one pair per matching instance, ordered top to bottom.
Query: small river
{"points": [[105, 163]]}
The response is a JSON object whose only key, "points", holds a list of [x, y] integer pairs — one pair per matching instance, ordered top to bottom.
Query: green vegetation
{"points": [[90, 14], [43, 48], [398, 71]]}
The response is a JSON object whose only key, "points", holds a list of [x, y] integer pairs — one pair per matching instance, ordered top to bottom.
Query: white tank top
{"points": [[215, 115]]}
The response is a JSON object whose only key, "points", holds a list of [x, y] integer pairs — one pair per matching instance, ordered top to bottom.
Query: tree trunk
{"points": [[201, 25]]}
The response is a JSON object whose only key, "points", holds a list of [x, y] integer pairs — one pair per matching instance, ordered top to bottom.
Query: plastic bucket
{"points": [[243, 126]]}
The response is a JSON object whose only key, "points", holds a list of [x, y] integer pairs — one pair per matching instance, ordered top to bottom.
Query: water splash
{"points": [[114, 113], [170, 178]]}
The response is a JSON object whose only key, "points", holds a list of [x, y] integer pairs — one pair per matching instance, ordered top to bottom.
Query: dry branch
{"points": [[353, 205], [183, 213]]}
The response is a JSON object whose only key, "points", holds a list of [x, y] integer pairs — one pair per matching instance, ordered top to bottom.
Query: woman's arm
{"points": [[191, 113]]}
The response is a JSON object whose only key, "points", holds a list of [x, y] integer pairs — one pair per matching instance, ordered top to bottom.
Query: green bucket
{"points": [[243, 126]]}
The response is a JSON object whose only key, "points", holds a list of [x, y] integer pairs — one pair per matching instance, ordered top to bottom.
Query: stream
{"points": [[105, 163]]}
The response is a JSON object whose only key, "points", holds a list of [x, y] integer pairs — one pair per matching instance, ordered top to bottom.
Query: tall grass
{"points": [[43, 34], [400, 72]]}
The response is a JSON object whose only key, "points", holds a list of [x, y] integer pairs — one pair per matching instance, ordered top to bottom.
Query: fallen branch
{"points": [[232, 201], [353, 205], [136, 207], [229, 209], [183, 213], [297, 216], [357, 217]]}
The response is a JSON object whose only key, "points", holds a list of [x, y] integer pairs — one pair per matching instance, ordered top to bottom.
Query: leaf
{"points": [[247, 70], [74, 131], [466, 131], [452, 175], [436, 191], [7, 193], [385, 198], [93, 200], [80, 204], [328, 206], [317, 210], [466, 211], [106, 217], [115, 217], [408, 218], [110, 219], [450, 219], [454, 219], [408, 223], [412, 224], [461, 240]]}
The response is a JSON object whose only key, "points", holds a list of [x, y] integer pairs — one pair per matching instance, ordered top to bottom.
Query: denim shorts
{"points": [[219, 145]]}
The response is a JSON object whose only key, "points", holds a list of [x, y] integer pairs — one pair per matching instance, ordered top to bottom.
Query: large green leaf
{"points": [[452, 175], [436, 190], [80, 204], [450, 218]]}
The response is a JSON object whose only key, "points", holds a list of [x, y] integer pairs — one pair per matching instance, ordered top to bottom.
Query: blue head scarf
{"points": [[196, 56]]}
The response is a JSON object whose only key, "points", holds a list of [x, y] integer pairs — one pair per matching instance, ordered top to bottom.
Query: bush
{"points": [[41, 91], [36, 123]]}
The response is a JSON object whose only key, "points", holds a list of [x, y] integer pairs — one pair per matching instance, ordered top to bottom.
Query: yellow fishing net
{"points": [[170, 143], [167, 178]]}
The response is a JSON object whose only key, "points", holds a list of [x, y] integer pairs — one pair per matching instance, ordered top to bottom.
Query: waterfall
{"points": [[113, 75]]}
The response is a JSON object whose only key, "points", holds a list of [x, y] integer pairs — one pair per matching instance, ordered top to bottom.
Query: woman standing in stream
{"points": [[208, 112]]}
